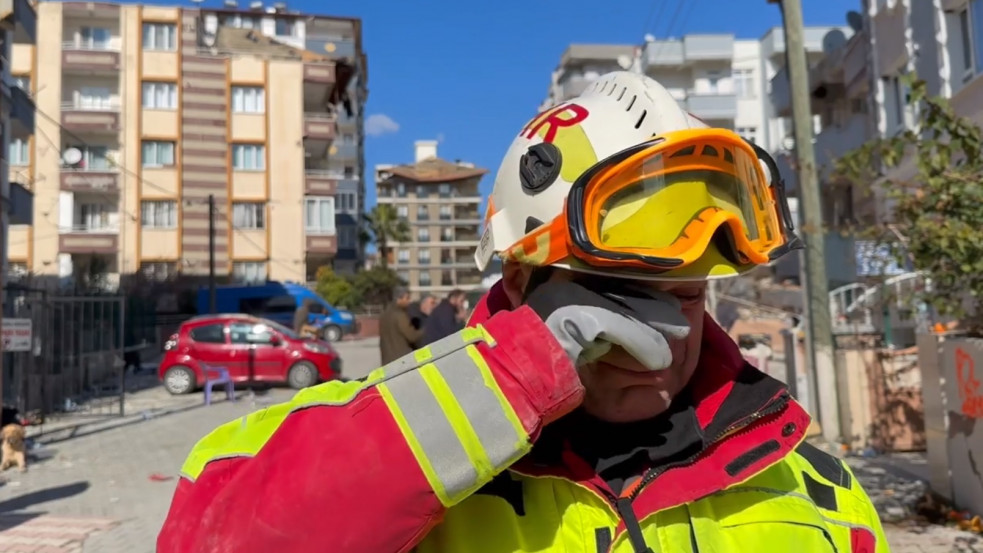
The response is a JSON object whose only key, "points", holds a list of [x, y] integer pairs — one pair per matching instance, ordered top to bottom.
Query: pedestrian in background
{"points": [[420, 310], [445, 319], [397, 337]]}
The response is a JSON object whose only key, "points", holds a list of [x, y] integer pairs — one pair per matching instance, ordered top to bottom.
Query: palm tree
{"points": [[386, 226]]}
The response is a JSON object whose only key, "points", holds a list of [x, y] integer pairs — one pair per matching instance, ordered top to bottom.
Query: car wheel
{"points": [[331, 333], [302, 375], [179, 380]]}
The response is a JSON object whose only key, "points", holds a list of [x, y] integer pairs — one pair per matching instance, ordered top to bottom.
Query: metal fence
{"points": [[76, 363]]}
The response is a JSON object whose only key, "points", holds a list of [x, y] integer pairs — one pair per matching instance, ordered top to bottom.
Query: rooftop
{"points": [[435, 169]]}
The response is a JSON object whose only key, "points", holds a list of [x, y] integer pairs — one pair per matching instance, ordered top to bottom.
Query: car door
{"points": [[208, 344], [257, 354]]}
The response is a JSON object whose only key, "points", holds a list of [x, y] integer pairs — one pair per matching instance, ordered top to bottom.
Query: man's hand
{"points": [[587, 323]]}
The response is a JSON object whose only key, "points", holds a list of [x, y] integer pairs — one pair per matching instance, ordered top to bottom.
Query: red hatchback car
{"points": [[252, 349]]}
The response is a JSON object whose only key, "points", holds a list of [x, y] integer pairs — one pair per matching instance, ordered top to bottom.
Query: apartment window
{"points": [[240, 22], [286, 27], [965, 29], [976, 31], [160, 36], [93, 38], [22, 82], [713, 82], [744, 83], [158, 95], [92, 98], [248, 99], [748, 133], [348, 138], [19, 152], [158, 153], [248, 157], [94, 158], [350, 174], [400, 188], [444, 190], [422, 191], [346, 201], [402, 211], [446, 212], [422, 213], [161, 214], [248, 215], [319, 215], [96, 216], [447, 234], [423, 235], [347, 237], [403, 256], [423, 256], [16, 270], [158, 270], [249, 272], [404, 276], [425, 278], [446, 279]]}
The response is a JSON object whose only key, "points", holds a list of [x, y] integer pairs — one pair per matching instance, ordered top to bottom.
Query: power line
{"points": [[652, 11]]}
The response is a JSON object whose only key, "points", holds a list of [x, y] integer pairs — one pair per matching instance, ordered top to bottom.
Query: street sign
{"points": [[17, 335]]}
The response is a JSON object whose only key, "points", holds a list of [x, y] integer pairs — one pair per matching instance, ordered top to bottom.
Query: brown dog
{"points": [[13, 447]]}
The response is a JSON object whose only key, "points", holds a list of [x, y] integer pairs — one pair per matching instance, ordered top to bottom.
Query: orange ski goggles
{"points": [[658, 205]]}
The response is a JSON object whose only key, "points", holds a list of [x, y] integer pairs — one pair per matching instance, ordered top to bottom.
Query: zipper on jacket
{"points": [[634, 530]]}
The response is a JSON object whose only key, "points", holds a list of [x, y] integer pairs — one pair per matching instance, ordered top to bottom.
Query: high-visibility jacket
{"points": [[434, 453]]}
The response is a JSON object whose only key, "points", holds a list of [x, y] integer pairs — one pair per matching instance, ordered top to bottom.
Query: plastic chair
{"points": [[217, 375]]}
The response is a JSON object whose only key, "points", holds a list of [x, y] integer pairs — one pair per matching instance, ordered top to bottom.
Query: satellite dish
{"points": [[855, 20], [833, 41], [624, 61], [71, 156]]}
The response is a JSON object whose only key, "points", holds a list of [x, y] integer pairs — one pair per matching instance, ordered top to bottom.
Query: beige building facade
{"points": [[144, 112], [440, 200]]}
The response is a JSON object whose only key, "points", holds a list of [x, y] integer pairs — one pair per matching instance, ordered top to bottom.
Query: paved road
{"points": [[108, 492]]}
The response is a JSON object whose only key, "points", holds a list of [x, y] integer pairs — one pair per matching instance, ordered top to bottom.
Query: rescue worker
{"points": [[590, 406]]}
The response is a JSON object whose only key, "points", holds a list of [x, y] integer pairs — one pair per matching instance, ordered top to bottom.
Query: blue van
{"points": [[278, 301]]}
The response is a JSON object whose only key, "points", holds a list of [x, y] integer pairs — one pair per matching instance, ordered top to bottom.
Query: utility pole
{"points": [[211, 254], [819, 334]]}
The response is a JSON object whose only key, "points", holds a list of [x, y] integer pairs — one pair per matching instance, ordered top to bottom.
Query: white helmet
{"points": [[619, 110]]}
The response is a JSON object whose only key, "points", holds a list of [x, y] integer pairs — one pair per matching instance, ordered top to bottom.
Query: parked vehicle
{"points": [[278, 301], [251, 348]]}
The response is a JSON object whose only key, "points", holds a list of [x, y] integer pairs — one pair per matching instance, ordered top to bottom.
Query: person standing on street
{"points": [[419, 311], [445, 319], [397, 336], [592, 404]]}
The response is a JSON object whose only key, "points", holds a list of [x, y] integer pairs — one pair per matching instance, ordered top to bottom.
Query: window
{"points": [[240, 21], [976, 23], [286, 27], [160, 36], [93, 38], [967, 43], [713, 81], [22, 82], [744, 83], [157, 95], [92, 98], [248, 99], [748, 133], [348, 138], [19, 153], [157, 153], [248, 157], [94, 158], [350, 174], [400, 190], [444, 190], [422, 191], [346, 202], [402, 211], [446, 212], [422, 213], [158, 214], [248, 215], [319, 215], [96, 216], [447, 234], [423, 235], [347, 237], [403, 256], [423, 256], [16, 270], [158, 270], [249, 272], [403, 276], [425, 278], [446, 279], [265, 306], [250, 333], [209, 334]]}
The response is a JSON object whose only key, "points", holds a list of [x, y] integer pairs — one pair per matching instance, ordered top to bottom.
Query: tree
{"points": [[939, 214], [386, 226], [376, 285], [336, 290]]}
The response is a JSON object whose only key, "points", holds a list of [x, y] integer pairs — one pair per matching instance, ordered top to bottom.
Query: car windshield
{"points": [[288, 332]]}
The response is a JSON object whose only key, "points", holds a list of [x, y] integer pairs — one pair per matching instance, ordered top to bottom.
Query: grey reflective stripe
{"points": [[450, 344], [438, 349], [404, 364], [433, 431], [496, 433]]}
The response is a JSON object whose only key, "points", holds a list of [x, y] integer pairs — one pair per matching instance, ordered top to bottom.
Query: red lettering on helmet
{"points": [[563, 115]]}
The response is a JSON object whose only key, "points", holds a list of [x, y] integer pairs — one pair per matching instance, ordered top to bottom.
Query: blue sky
{"points": [[472, 73]]}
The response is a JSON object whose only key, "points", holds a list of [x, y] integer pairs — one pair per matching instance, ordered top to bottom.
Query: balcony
{"points": [[20, 17], [889, 38], [709, 47], [664, 53], [87, 59], [855, 62], [319, 72], [712, 106], [21, 111], [85, 117], [320, 126], [835, 141], [344, 151], [74, 180], [320, 183], [83, 240], [322, 244]]}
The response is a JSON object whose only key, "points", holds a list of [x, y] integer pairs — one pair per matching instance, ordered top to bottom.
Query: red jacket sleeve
{"points": [[372, 466]]}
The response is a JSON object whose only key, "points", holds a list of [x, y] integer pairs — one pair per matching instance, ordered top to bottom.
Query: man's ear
{"points": [[514, 279]]}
